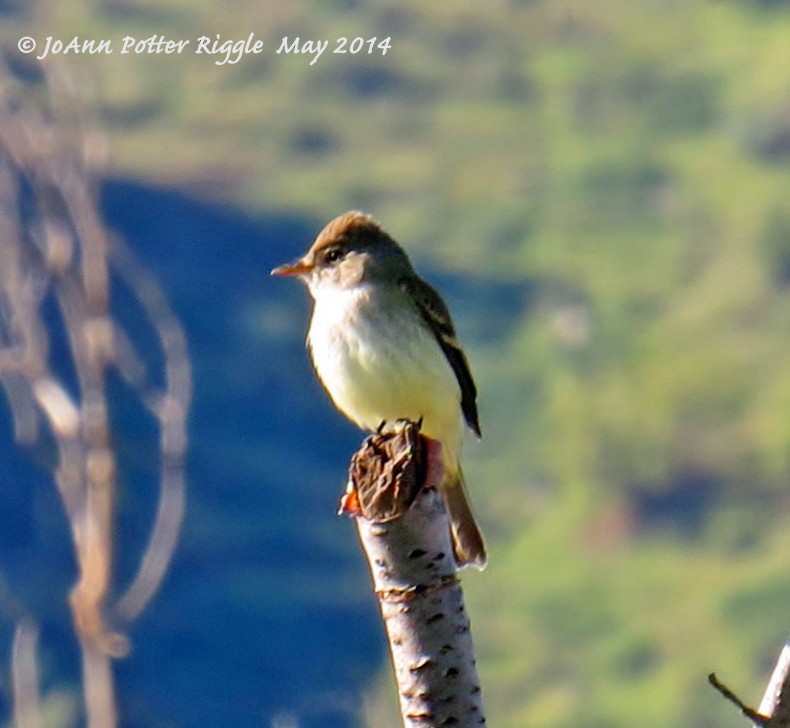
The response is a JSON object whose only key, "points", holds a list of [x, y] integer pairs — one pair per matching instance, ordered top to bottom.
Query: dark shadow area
{"points": [[265, 610]]}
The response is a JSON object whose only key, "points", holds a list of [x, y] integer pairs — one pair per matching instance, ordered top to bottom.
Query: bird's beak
{"points": [[297, 268]]}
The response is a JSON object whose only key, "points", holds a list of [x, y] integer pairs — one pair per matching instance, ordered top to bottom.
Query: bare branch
{"points": [[55, 249], [170, 408], [774, 710], [750, 713]]}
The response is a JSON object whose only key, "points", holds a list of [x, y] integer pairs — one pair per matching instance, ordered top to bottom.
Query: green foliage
{"points": [[630, 161]]}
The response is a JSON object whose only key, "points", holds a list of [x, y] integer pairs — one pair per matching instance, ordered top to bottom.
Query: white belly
{"points": [[378, 367]]}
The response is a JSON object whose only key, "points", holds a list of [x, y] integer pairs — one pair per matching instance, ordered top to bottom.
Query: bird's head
{"points": [[351, 249]]}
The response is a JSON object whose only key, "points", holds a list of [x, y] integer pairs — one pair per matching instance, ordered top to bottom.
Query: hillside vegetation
{"points": [[604, 189]]}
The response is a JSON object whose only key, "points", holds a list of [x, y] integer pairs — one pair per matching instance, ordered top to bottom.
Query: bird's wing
{"points": [[435, 314]]}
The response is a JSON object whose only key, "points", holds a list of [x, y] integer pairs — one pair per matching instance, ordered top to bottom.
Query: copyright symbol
{"points": [[26, 44]]}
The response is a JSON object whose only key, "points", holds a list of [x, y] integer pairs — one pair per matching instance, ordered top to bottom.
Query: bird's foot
{"points": [[403, 422]]}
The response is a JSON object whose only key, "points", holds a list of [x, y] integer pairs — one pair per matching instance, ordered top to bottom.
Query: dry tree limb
{"points": [[45, 179], [54, 246], [170, 407], [405, 532], [774, 710]]}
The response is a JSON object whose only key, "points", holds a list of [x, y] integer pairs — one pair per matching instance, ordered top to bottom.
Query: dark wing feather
{"points": [[435, 314]]}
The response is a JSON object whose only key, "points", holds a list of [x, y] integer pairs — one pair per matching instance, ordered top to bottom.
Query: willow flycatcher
{"points": [[384, 347]]}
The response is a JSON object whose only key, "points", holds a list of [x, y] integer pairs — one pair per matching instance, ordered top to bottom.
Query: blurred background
{"points": [[600, 192]]}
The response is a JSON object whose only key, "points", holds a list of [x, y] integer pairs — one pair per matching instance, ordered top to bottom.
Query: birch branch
{"points": [[405, 532], [776, 700], [774, 710]]}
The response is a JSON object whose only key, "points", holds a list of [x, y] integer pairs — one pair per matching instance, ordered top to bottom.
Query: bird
{"points": [[385, 350]]}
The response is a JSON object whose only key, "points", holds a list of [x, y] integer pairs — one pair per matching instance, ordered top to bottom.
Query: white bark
{"points": [[410, 553], [776, 701]]}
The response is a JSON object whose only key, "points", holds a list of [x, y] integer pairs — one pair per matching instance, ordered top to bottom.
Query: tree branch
{"points": [[405, 532], [774, 710]]}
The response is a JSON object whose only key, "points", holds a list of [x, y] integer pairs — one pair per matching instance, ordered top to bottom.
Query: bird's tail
{"points": [[467, 539]]}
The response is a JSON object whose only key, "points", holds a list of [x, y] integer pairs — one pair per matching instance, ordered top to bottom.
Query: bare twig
{"points": [[54, 247], [170, 408], [774, 710], [750, 713]]}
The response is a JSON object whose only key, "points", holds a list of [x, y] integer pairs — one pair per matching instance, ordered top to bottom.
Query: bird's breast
{"points": [[379, 361]]}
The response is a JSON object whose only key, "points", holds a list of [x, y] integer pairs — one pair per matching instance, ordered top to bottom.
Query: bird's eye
{"points": [[333, 255]]}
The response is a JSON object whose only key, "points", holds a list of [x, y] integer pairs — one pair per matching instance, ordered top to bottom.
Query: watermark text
{"points": [[222, 50]]}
